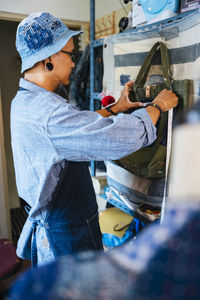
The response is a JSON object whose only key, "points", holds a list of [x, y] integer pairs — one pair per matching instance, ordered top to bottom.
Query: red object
{"points": [[107, 100], [9, 262]]}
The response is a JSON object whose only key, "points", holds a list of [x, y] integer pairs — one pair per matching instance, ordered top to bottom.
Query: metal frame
{"points": [[92, 38], [93, 45]]}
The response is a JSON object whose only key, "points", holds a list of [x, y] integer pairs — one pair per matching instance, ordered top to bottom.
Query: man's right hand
{"points": [[166, 99]]}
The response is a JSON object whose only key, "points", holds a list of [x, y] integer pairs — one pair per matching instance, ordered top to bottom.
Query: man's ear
{"points": [[48, 65]]}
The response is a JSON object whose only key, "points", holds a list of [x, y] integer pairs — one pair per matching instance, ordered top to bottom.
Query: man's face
{"points": [[63, 63]]}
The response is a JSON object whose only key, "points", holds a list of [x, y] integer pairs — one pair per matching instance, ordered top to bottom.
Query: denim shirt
{"points": [[46, 130]]}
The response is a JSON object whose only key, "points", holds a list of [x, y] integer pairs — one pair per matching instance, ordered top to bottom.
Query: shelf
{"points": [[153, 26], [125, 209]]}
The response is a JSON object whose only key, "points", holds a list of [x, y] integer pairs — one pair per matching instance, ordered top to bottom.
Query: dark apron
{"points": [[72, 222]]}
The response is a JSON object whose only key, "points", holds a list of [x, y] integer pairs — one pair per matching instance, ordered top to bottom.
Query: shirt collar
{"points": [[32, 87]]}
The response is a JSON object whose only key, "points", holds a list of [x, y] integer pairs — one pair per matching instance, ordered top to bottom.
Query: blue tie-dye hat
{"points": [[39, 36]]}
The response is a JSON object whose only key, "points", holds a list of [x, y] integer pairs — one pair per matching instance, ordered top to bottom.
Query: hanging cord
{"points": [[122, 5]]}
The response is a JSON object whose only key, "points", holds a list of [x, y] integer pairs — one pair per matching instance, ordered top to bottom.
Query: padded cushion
{"points": [[9, 261]]}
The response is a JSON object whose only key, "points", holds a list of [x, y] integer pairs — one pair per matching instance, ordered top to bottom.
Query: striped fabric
{"points": [[124, 53], [123, 56]]}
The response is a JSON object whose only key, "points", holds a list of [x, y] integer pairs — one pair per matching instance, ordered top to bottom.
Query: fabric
{"points": [[39, 36], [124, 53], [44, 123], [150, 162], [131, 192], [73, 226], [68, 231], [162, 263]]}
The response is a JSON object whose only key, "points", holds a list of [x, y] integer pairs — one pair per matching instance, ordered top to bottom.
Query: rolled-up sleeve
{"points": [[86, 135]]}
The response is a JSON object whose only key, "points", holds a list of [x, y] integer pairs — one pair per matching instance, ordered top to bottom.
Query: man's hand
{"points": [[166, 99], [124, 103]]}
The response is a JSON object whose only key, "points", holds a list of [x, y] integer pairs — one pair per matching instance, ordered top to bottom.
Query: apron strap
{"points": [[22, 89], [33, 241], [34, 245]]}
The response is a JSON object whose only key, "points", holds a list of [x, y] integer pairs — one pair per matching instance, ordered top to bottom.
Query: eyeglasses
{"points": [[72, 55]]}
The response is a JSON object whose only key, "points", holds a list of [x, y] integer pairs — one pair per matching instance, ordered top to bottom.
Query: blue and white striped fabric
{"points": [[126, 52], [123, 57], [129, 186]]}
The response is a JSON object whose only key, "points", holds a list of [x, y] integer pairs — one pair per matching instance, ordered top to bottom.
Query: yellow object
{"points": [[114, 221]]}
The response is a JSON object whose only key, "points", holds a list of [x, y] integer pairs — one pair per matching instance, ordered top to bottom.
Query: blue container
{"points": [[155, 10]]}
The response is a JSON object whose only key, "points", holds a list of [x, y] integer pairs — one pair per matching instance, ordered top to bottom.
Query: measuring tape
{"points": [[169, 146], [168, 153]]}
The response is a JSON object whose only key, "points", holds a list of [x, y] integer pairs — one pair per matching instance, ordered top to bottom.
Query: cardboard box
{"points": [[187, 5], [138, 16]]}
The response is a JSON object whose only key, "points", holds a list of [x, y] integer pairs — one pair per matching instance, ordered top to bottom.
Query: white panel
{"points": [[105, 7], [66, 9], [77, 10], [186, 163]]}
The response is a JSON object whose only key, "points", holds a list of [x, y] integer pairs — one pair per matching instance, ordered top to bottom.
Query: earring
{"points": [[49, 66]]}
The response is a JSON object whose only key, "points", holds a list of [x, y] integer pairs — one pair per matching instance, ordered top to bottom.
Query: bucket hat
{"points": [[39, 36]]}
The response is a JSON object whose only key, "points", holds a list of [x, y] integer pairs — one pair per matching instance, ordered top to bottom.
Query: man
{"points": [[51, 140]]}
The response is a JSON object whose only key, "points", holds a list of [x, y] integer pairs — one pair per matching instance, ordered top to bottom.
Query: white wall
{"points": [[105, 7], [66, 9], [76, 10]]}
